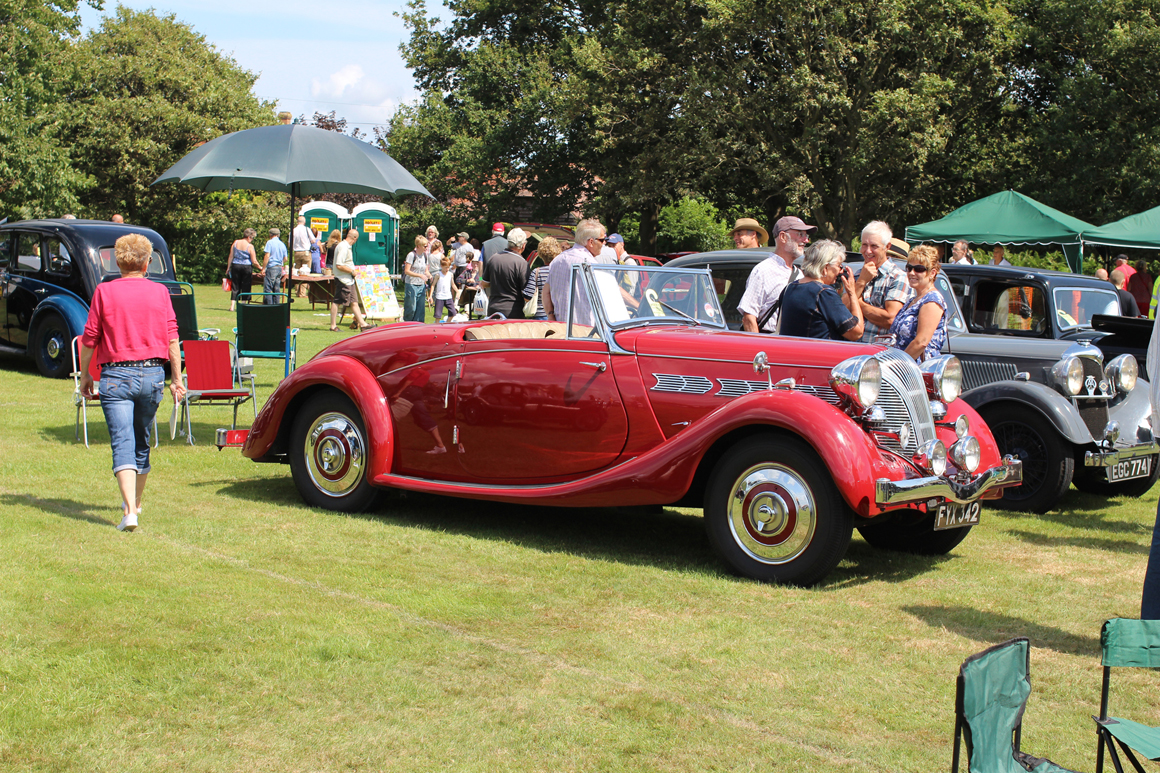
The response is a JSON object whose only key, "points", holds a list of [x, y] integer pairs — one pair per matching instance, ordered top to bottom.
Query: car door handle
{"points": [[40, 290], [600, 366]]}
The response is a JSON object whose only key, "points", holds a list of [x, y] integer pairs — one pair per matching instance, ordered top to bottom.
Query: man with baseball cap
{"points": [[747, 233], [497, 243], [768, 279]]}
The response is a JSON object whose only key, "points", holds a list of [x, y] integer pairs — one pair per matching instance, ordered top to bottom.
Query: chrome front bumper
{"points": [[1110, 457], [899, 492]]}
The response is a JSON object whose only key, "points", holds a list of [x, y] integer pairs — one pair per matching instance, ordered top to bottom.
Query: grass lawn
{"points": [[238, 630]]}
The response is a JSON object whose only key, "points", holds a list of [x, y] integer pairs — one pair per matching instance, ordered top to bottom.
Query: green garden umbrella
{"points": [[295, 159]]}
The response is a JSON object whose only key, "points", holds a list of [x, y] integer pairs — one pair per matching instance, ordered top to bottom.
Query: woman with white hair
{"points": [[812, 308], [133, 330]]}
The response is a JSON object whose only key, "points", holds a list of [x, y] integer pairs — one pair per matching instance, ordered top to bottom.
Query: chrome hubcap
{"points": [[54, 346], [335, 454], [772, 513]]}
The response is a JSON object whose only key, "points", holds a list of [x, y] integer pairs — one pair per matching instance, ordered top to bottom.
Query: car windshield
{"points": [[632, 295], [1075, 306]]}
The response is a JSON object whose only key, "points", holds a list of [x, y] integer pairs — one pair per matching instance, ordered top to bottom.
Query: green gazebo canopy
{"points": [[1008, 218], [1141, 230]]}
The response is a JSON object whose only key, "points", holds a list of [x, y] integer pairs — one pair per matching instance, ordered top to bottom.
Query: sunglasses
{"points": [[601, 239], [917, 268]]}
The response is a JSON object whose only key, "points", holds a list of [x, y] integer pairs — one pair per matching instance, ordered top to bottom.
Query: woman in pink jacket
{"points": [[133, 330]]}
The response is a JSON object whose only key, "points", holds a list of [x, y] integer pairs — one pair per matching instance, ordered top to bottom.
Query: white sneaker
{"points": [[128, 523]]}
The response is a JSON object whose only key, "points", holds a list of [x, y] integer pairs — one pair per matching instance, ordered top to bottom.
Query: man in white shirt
{"points": [[302, 237], [590, 238], [961, 253], [997, 258], [768, 279], [345, 293]]}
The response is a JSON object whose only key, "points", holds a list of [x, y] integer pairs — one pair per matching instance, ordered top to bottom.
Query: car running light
{"points": [[1123, 371], [1068, 375], [943, 377], [857, 380], [962, 426], [966, 453]]}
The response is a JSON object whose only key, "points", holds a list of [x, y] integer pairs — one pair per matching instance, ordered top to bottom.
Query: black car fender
{"points": [[74, 311], [1042, 399]]}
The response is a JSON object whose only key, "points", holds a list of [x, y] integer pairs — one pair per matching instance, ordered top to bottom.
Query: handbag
{"points": [[226, 285], [533, 305]]}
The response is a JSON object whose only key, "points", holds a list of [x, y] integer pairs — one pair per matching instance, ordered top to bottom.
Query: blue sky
{"points": [[340, 55]]}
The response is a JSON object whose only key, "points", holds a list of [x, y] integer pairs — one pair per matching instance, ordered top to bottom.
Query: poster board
{"points": [[378, 293]]}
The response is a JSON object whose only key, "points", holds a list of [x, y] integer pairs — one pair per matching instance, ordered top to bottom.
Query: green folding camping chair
{"points": [[185, 310], [264, 330], [1125, 644], [990, 698]]}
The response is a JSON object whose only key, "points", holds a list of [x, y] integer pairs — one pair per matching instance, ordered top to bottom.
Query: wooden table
{"points": [[321, 288]]}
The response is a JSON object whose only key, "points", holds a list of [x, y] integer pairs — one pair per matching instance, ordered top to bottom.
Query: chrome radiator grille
{"points": [[976, 373], [904, 400]]}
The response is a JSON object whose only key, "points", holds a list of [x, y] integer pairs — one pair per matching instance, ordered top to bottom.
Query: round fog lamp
{"points": [[962, 426], [966, 453], [932, 457]]}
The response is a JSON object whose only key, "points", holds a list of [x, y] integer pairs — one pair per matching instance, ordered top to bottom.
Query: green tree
{"points": [[146, 90], [1086, 90], [36, 178], [691, 224]]}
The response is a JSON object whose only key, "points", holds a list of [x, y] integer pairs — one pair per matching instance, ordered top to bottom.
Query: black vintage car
{"points": [[48, 271], [1072, 412]]}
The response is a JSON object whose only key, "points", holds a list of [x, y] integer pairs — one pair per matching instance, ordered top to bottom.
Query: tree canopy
{"points": [[840, 112]]}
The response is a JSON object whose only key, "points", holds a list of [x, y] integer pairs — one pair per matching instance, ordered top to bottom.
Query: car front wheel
{"points": [[50, 346], [329, 455], [1047, 459], [773, 513]]}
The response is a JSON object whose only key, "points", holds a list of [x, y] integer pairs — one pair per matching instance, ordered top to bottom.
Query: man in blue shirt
{"points": [[274, 258]]}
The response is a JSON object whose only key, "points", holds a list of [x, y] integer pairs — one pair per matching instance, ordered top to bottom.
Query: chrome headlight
{"points": [[1123, 372], [1068, 375], [943, 377], [858, 380], [962, 426], [966, 453], [932, 457]]}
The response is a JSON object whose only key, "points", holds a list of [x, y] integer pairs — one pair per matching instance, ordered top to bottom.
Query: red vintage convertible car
{"points": [[644, 397]]}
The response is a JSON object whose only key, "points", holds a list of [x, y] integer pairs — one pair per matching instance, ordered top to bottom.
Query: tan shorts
{"points": [[301, 258]]}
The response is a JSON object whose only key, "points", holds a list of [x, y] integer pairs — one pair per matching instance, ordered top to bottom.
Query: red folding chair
{"points": [[210, 378], [80, 401]]}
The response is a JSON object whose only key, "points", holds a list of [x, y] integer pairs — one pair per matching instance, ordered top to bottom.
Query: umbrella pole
{"points": [[290, 245]]}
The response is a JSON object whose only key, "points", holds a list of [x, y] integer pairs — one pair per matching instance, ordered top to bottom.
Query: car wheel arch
{"points": [[74, 312], [352, 380], [1043, 400], [832, 460]]}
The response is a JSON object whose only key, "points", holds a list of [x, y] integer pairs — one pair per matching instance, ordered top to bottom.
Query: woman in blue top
{"points": [[240, 268], [812, 308], [920, 328]]}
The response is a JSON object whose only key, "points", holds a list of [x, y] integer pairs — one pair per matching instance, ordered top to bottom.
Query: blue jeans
{"points": [[273, 283], [414, 303], [129, 398], [1150, 603]]}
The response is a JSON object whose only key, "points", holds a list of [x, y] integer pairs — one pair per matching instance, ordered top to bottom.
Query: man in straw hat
{"points": [[747, 233], [769, 277], [881, 283]]}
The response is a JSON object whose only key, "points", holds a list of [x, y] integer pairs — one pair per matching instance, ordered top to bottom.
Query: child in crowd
{"points": [[445, 290]]}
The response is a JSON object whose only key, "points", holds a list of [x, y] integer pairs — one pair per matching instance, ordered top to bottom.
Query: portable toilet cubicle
{"points": [[324, 217], [378, 235]]}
